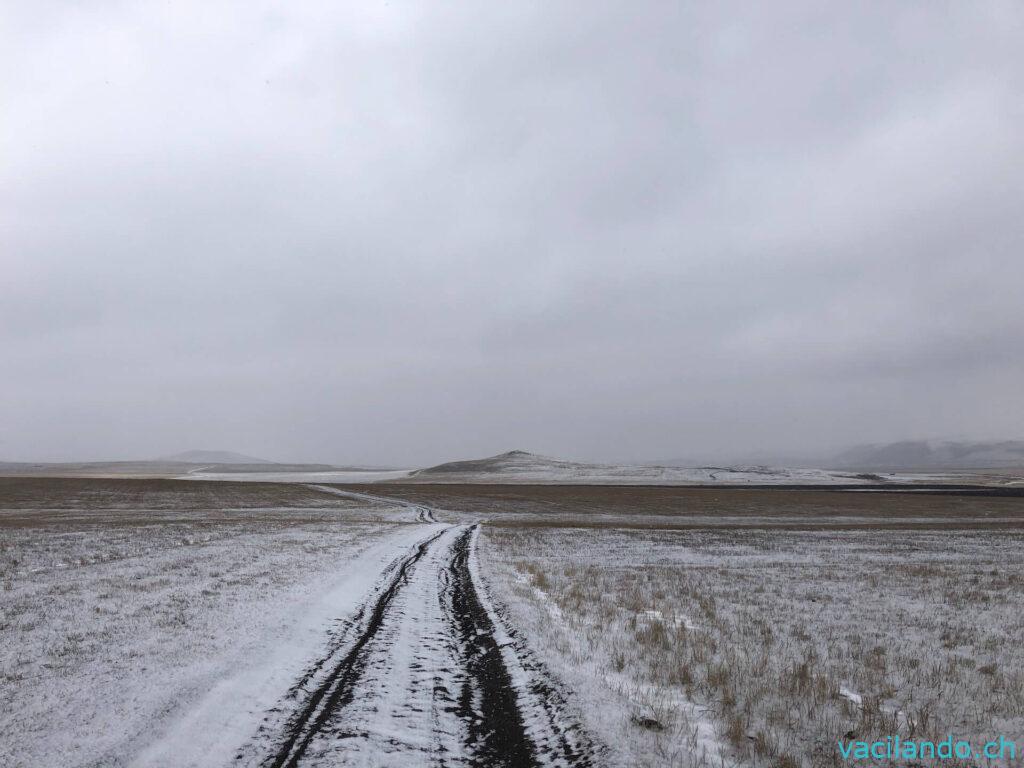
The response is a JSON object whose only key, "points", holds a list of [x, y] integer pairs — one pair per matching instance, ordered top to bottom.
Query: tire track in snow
{"points": [[423, 514], [424, 674], [337, 689], [520, 717], [558, 737]]}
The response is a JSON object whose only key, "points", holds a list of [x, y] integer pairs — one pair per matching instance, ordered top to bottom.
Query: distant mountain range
{"points": [[923, 454]]}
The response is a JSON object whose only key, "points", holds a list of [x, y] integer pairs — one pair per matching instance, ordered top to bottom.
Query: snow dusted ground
{"points": [[163, 623], [186, 623], [125, 627], [751, 647], [424, 674], [212, 730]]}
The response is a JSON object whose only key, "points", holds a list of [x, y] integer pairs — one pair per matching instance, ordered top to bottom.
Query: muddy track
{"points": [[424, 673], [487, 700]]}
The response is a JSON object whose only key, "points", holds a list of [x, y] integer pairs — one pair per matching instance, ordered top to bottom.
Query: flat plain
{"points": [[183, 622]]}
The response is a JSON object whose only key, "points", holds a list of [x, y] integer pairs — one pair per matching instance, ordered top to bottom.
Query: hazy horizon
{"points": [[400, 234], [820, 460]]}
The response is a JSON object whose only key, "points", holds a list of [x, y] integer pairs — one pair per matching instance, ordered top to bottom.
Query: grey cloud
{"points": [[405, 233]]}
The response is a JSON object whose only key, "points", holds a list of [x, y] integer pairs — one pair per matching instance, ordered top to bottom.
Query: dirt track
{"points": [[424, 673]]}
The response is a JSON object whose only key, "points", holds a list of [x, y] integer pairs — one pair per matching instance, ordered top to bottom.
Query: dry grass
{"points": [[561, 505], [767, 635]]}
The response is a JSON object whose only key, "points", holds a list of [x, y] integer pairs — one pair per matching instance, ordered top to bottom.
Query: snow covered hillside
{"points": [[524, 467]]}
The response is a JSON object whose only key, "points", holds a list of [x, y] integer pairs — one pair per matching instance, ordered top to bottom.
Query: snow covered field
{"points": [[120, 617], [175, 623], [188, 623], [764, 647]]}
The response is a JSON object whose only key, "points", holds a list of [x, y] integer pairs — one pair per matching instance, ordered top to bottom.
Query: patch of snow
{"points": [[542, 597], [680, 620], [851, 696]]}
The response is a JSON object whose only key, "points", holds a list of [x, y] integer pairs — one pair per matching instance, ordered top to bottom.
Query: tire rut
{"points": [[427, 675], [337, 690], [487, 700]]}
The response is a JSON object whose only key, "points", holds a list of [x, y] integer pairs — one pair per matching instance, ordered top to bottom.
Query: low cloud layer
{"points": [[400, 233]]}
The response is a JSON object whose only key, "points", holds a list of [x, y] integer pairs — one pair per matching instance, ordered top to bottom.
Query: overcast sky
{"points": [[409, 232]]}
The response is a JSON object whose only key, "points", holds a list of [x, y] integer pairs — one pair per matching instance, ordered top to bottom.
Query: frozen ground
{"points": [[126, 603], [176, 623], [189, 623], [705, 627], [765, 647]]}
